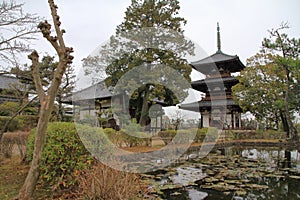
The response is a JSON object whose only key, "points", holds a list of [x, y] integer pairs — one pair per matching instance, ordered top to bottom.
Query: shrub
{"points": [[8, 108], [30, 111], [89, 120], [28, 121], [21, 122], [15, 124], [208, 134], [259, 134], [268, 134], [167, 135], [183, 136], [132, 139], [64, 155]]}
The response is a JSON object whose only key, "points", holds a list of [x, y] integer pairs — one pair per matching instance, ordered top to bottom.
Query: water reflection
{"points": [[277, 158], [236, 173]]}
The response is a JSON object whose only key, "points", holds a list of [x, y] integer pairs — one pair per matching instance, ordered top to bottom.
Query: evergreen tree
{"points": [[151, 35], [269, 86]]}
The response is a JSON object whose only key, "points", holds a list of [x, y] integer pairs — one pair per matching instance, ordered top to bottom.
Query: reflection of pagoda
{"points": [[217, 88]]}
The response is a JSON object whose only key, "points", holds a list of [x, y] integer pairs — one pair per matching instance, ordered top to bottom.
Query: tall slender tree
{"points": [[151, 34], [46, 98]]}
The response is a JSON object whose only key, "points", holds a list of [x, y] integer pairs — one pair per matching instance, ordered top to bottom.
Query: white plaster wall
{"points": [[205, 120]]}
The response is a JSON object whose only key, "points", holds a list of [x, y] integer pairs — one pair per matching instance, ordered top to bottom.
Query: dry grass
{"points": [[13, 143], [12, 176], [103, 182]]}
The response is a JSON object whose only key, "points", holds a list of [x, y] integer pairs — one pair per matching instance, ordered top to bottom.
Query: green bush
{"points": [[8, 108], [31, 111], [28, 121], [21, 122], [15, 124], [208, 134], [258, 134], [269, 134], [130, 135], [167, 135], [182, 136], [116, 137], [122, 137], [132, 139], [64, 154]]}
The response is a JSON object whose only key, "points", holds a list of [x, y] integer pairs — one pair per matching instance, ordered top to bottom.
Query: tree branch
{"points": [[34, 57]]}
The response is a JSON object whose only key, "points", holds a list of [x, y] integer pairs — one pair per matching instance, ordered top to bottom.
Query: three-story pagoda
{"points": [[217, 108]]}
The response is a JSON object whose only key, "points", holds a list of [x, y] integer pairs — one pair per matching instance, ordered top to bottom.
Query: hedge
{"points": [[15, 124], [209, 134], [122, 137], [64, 155]]}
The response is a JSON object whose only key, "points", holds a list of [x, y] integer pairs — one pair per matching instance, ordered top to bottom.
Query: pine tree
{"points": [[150, 34], [269, 86]]}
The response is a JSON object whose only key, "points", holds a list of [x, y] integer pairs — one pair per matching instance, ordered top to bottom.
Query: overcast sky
{"points": [[243, 23]]}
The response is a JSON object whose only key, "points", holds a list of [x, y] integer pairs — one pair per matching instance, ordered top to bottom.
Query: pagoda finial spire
{"points": [[218, 38]]}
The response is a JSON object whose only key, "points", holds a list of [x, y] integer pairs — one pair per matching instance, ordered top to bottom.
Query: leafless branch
{"points": [[17, 29]]}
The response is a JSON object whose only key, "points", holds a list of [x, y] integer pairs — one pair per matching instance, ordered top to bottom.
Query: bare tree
{"points": [[17, 29], [46, 97], [177, 119]]}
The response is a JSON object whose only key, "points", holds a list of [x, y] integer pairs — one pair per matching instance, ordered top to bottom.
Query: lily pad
{"points": [[295, 177], [256, 186], [170, 187], [241, 192], [175, 194]]}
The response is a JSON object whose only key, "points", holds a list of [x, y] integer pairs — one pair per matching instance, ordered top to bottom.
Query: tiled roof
{"points": [[219, 59], [7, 81], [204, 84], [96, 91]]}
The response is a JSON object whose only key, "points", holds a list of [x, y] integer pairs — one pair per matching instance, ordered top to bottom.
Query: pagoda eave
{"points": [[217, 61], [204, 84], [207, 105]]}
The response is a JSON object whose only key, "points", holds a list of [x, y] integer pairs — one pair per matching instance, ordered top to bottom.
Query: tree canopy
{"points": [[151, 34], [269, 86]]}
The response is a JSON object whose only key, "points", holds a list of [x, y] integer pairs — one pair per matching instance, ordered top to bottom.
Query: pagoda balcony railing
{"points": [[222, 75], [209, 98]]}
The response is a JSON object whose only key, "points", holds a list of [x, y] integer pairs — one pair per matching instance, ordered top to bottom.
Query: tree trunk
{"points": [[46, 98], [144, 112], [60, 114], [284, 124], [292, 131], [28, 187]]}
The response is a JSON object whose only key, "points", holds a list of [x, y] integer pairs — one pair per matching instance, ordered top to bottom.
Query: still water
{"points": [[231, 173]]}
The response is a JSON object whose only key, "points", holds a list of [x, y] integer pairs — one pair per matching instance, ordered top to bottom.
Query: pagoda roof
{"points": [[219, 60], [202, 85], [198, 105]]}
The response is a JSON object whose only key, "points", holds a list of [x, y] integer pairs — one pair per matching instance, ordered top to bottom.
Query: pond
{"points": [[231, 173]]}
